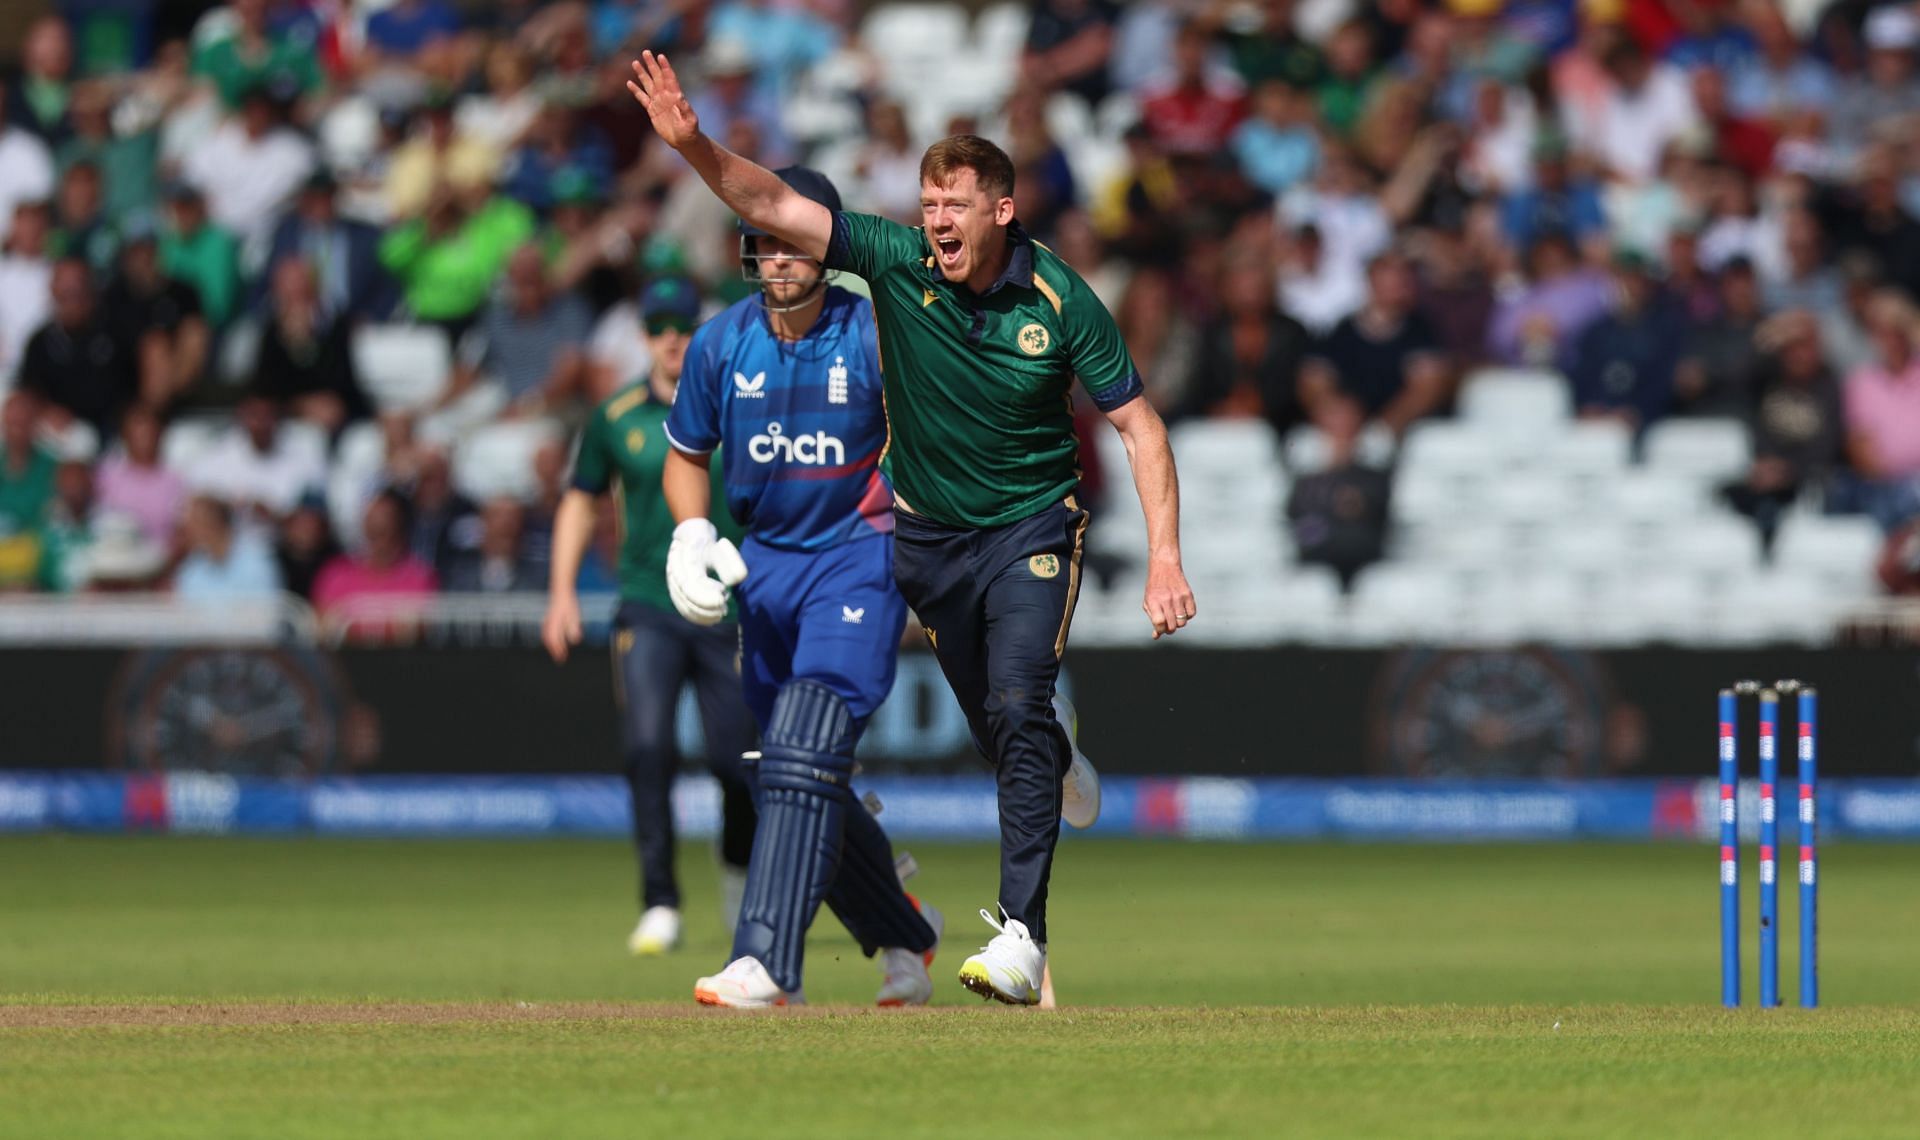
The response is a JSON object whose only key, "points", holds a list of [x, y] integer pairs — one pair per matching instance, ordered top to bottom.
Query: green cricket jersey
{"points": [[979, 416], [624, 448]]}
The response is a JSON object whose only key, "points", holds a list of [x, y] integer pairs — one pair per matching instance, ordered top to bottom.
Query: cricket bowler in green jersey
{"points": [[982, 332]]}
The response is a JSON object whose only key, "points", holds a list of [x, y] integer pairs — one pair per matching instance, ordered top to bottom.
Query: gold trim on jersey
{"points": [[1046, 291], [625, 402], [1073, 579], [622, 644]]}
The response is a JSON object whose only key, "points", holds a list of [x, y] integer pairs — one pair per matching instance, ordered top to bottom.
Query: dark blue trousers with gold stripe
{"points": [[996, 604]]}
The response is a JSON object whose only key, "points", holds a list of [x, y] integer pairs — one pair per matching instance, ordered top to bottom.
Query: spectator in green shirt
{"points": [[254, 55], [127, 163], [194, 250], [447, 261], [26, 489]]}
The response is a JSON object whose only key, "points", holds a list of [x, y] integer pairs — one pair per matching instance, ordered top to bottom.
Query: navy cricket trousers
{"points": [[996, 604], [655, 653]]}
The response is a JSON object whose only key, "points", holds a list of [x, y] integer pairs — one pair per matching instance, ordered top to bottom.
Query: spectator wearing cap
{"points": [[1068, 42], [255, 53], [1885, 94], [39, 95], [731, 97], [1195, 109], [436, 161], [128, 162], [252, 166], [26, 167], [1557, 201], [342, 253], [203, 255], [448, 260], [26, 283], [158, 314], [528, 355], [305, 359], [1383, 361], [76, 363], [1624, 364], [1720, 373], [1883, 412], [257, 464], [133, 483], [224, 562], [383, 568]]}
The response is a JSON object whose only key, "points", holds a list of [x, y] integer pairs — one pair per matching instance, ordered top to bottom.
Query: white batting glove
{"points": [[701, 566]]}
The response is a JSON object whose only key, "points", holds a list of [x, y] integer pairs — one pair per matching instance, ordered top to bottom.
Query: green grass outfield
{"points": [[224, 987]]}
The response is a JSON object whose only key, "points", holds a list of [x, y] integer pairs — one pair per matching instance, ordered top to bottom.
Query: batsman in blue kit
{"points": [[787, 385]]}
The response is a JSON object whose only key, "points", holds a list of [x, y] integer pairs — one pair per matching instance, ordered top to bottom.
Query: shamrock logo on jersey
{"points": [[1034, 340], [636, 441], [1044, 565]]}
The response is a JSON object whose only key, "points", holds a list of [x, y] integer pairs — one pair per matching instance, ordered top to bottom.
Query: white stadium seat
{"points": [[911, 40], [402, 366], [1516, 401], [187, 439], [1441, 447], [1595, 448], [1707, 449], [497, 460], [1812, 542], [1724, 544]]}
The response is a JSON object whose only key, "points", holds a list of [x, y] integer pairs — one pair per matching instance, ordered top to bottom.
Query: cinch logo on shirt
{"points": [[750, 389], [816, 450]]}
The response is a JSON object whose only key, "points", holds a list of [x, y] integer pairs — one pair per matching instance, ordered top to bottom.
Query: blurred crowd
{"points": [[1321, 214]]}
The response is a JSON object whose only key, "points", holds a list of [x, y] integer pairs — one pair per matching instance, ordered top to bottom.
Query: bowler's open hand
{"points": [[657, 88]]}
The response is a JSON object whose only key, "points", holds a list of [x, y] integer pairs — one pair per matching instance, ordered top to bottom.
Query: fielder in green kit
{"points": [[982, 332], [623, 450]]}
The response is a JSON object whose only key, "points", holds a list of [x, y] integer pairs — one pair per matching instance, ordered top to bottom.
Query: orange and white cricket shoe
{"points": [[904, 972], [744, 984]]}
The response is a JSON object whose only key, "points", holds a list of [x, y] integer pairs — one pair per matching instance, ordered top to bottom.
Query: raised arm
{"points": [[749, 190], [1169, 600]]}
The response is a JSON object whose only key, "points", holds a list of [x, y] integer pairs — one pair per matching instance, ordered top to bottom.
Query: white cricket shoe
{"points": [[1080, 791], [733, 892], [658, 932], [1009, 968], [904, 972], [744, 984]]}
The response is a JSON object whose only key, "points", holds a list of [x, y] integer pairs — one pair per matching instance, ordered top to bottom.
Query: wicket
{"points": [[1806, 721]]}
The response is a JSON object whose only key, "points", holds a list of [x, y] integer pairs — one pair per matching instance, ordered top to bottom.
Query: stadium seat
{"points": [[1001, 30], [912, 40], [402, 367], [1516, 401], [188, 438], [1439, 447], [1243, 448], [1590, 448], [1706, 449], [497, 460], [1652, 497], [1583, 544], [1725, 544], [1839, 544], [1409, 600], [1774, 605]]}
